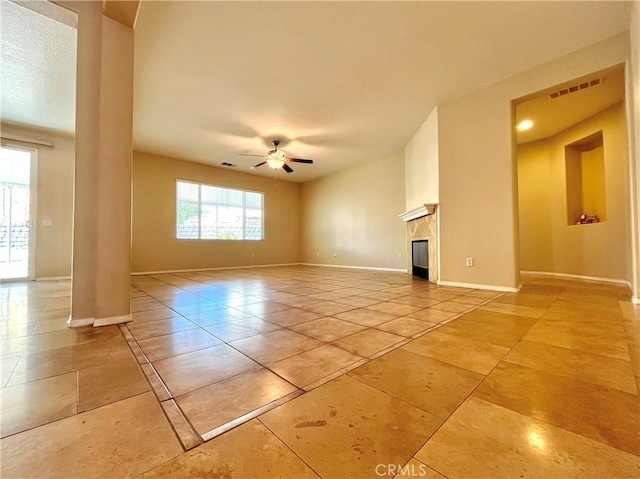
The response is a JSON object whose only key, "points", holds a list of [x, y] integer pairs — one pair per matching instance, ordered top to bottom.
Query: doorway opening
{"points": [[573, 188], [17, 213]]}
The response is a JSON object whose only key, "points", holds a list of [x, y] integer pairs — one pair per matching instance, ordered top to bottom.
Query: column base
{"points": [[127, 318], [77, 323]]}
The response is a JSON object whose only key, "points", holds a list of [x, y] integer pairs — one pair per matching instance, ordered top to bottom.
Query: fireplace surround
{"points": [[422, 225]]}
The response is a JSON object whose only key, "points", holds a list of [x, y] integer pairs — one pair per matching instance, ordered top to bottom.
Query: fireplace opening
{"points": [[420, 258]]}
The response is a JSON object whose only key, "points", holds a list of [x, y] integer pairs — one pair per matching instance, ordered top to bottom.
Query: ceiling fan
{"points": [[278, 159]]}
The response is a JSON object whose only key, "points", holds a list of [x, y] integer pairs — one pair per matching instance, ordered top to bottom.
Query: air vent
{"points": [[575, 88], [229, 164]]}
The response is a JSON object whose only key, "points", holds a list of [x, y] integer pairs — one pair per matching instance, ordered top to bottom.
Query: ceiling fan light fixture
{"points": [[276, 158], [275, 163]]}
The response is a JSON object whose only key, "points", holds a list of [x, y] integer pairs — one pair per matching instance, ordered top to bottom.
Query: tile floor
{"points": [[322, 372]]}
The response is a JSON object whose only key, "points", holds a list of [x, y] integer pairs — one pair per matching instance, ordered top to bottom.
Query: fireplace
{"points": [[422, 241], [420, 258]]}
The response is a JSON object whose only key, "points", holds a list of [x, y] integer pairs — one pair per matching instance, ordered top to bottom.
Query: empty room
{"points": [[319, 239]]}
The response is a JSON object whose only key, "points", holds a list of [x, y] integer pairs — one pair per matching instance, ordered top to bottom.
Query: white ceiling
{"points": [[38, 66], [343, 83], [553, 115]]}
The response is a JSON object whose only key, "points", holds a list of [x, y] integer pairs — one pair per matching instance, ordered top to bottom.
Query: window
{"points": [[211, 212]]}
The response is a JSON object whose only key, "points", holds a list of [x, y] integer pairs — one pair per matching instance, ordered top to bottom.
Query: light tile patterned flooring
{"points": [[323, 372]]}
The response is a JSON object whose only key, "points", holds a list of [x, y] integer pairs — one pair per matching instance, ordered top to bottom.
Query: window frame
{"points": [[199, 205]]}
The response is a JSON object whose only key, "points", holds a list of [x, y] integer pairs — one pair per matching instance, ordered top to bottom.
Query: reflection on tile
{"points": [[533, 300], [416, 301], [358, 302], [452, 307], [264, 308], [328, 308], [397, 309], [516, 309], [153, 315], [431, 315], [290, 317], [366, 317], [511, 322], [50, 325], [159, 327], [406, 327], [327, 329], [236, 331], [504, 335], [580, 338], [55, 340], [368, 342], [169, 345], [274, 346], [460, 351], [50, 363], [7, 366], [310, 366], [585, 366], [197, 369], [108, 383], [436, 387], [38, 402], [215, 405], [606, 415], [346, 428], [499, 442], [97, 443], [248, 451]]}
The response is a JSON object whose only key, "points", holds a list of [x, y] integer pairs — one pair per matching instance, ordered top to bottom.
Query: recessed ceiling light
{"points": [[524, 125]]}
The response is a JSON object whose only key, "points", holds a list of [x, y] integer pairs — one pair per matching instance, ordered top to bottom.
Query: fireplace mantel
{"points": [[419, 212]]}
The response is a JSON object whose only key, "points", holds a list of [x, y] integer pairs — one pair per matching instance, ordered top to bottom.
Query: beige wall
{"points": [[633, 108], [421, 164], [478, 193], [54, 199], [534, 206], [354, 216], [547, 242], [155, 247]]}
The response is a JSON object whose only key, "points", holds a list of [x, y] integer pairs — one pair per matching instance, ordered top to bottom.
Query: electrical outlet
{"points": [[469, 261]]}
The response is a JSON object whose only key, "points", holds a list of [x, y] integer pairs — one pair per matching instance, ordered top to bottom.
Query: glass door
{"points": [[17, 213]]}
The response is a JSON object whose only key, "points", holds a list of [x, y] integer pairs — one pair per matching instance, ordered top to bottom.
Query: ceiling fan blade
{"points": [[249, 154], [300, 160], [259, 164], [287, 168]]}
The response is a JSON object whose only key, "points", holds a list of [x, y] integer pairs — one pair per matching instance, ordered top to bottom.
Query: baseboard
{"points": [[199, 270], [395, 270], [579, 276], [53, 278], [488, 287], [127, 318], [77, 323]]}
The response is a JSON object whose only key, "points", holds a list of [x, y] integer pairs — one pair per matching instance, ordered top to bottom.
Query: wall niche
{"points": [[586, 193]]}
